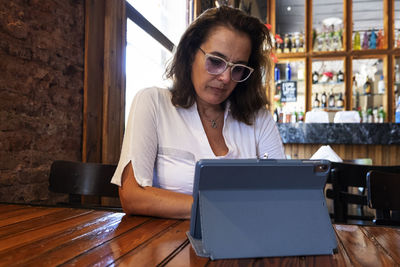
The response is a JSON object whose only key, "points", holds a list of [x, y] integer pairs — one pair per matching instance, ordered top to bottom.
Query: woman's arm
{"points": [[152, 201]]}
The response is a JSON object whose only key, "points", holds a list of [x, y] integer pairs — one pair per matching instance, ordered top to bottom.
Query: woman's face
{"points": [[231, 45]]}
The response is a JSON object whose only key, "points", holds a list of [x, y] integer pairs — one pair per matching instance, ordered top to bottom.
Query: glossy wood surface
{"points": [[49, 236]]}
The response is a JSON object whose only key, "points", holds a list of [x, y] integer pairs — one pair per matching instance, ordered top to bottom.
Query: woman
{"points": [[215, 109]]}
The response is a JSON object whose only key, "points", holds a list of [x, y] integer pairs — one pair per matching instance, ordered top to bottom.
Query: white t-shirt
{"points": [[163, 142]]}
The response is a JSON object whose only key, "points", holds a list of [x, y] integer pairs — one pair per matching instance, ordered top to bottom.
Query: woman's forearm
{"points": [[152, 201]]}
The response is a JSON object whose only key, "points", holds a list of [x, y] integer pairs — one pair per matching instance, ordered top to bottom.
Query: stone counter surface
{"points": [[340, 133]]}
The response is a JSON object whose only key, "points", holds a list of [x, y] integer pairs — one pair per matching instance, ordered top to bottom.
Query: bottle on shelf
{"points": [[372, 40], [398, 40], [357, 41], [365, 41], [380, 42], [300, 47], [288, 72], [277, 74], [397, 74], [340, 76], [315, 77], [381, 86], [367, 87], [331, 99], [323, 100], [316, 101], [340, 102], [381, 114], [397, 114]]}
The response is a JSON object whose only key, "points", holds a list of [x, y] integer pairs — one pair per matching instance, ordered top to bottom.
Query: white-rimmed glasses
{"points": [[216, 65]]}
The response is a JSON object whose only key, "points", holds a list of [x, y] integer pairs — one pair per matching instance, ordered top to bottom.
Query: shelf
{"points": [[329, 83]]}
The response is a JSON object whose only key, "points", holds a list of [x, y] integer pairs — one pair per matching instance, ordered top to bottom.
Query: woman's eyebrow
{"points": [[215, 53]]}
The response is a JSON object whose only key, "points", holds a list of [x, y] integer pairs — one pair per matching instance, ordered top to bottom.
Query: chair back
{"points": [[346, 175], [80, 178], [383, 195]]}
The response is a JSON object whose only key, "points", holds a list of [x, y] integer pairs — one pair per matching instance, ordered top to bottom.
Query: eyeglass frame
{"points": [[228, 65]]}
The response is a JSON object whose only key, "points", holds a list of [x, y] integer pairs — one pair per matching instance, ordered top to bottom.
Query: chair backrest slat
{"points": [[82, 178]]}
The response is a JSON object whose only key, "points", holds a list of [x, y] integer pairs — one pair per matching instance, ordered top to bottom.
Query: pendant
{"points": [[213, 124]]}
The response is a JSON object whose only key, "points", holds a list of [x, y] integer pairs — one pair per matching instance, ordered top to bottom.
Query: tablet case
{"points": [[247, 208]]}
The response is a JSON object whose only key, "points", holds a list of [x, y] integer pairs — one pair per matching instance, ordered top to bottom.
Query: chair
{"points": [[343, 176], [82, 179], [383, 196]]}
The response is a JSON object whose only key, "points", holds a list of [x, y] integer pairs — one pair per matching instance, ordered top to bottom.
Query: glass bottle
{"points": [[365, 40], [372, 40], [357, 42], [380, 42], [288, 72], [340, 76], [315, 77], [381, 86], [367, 87], [323, 100], [331, 100], [316, 101], [340, 102], [397, 114]]}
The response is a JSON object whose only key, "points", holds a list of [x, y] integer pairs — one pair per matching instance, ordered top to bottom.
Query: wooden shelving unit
{"points": [[388, 54]]}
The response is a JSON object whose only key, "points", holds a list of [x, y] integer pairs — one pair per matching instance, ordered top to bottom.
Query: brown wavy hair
{"points": [[248, 96]]}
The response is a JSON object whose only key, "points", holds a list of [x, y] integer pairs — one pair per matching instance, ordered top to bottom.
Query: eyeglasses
{"points": [[216, 65]]}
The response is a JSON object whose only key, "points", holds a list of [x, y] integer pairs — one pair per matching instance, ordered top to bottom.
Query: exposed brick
{"points": [[41, 94]]}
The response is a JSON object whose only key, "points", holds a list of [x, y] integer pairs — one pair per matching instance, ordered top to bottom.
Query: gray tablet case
{"points": [[247, 208]]}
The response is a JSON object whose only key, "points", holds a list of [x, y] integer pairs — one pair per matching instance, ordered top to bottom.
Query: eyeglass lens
{"points": [[216, 65]]}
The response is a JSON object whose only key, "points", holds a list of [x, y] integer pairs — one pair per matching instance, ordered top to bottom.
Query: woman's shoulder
{"points": [[154, 92]]}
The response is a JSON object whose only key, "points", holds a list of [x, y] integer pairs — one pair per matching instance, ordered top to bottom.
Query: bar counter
{"points": [[340, 133], [377, 141]]}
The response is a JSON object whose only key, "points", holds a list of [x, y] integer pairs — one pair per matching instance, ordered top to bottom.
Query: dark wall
{"points": [[41, 93]]}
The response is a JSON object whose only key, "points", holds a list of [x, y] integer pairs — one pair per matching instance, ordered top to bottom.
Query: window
{"points": [[154, 28]]}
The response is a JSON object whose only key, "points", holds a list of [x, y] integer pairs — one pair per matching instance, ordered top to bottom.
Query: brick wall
{"points": [[41, 93]]}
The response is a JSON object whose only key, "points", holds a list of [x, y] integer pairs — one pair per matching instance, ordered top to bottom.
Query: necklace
{"points": [[214, 121]]}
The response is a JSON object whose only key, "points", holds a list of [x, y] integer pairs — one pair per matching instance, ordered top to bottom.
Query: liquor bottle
{"points": [[372, 40], [398, 40], [365, 41], [357, 42], [380, 42], [286, 43], [295, 43], [301, 43], [290, 44], [288, 72], [277, 73], [340, 76], [315, 77], [381, 86], [367, 87], [323, 100], [331, 100], [316, 101], [340, 102], [397, 114]]}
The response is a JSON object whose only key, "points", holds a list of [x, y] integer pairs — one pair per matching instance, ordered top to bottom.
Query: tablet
{"points": [[260, 208]]}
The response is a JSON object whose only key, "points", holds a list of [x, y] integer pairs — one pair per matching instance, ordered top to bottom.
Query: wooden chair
{"points": [[344, 176], [79, 179], [383, 196]]}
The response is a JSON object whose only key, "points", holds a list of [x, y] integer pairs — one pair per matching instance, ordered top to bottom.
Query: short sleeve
{"points": [[267, 136], [140, 140]]}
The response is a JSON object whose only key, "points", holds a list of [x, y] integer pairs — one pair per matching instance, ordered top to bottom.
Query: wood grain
{"points": [[78, 237], [108, 252]]}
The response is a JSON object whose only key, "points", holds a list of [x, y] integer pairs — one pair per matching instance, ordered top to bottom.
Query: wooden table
{"points": [[49, 236]]}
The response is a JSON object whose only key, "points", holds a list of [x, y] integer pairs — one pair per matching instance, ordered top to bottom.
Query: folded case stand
{"points": [[260, 208]]}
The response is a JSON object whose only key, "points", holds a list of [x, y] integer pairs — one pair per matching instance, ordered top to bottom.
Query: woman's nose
{"points": [[225, 77]]}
